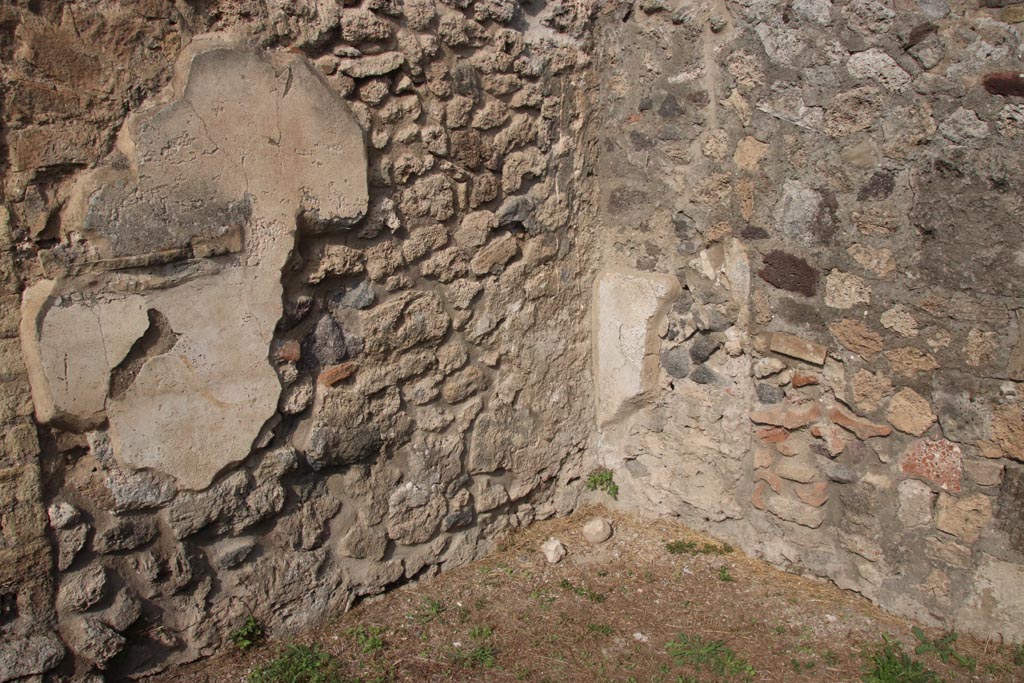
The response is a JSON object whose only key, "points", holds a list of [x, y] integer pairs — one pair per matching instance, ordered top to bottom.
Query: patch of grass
{"points": [[603, 480], [693, 548], [724, 575], [567, 585], [430, 611], [603, 629], [249, 634], [369, 639], [943, 648], [482, 654], [712, 655], [1018, 655], [299, 664], [890, 664]]}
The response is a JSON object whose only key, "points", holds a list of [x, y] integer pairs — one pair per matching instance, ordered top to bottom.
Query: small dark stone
{"points": [[1000, 3], [919, 33], [1005, 83], [670, 108], [640, 141], [879, 186], [623, 199], [752, 232], [790, 273], [361, 296], [712, 320], [327, 343], [702, 347], [676, 362], [702, 374], [768, 393], [1010, 506], [458, 518], [124, 533]]}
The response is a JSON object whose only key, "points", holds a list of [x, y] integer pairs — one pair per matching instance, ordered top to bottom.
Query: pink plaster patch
{"points": [[940, 462]]}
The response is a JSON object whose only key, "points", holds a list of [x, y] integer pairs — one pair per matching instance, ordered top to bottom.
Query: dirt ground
{"points": [[657, 603]]}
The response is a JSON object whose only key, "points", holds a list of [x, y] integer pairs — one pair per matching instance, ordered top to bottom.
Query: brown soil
{"points": [[606, 613]]}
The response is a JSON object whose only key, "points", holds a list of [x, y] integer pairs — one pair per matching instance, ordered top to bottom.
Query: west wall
{"points": [[301, 312]]}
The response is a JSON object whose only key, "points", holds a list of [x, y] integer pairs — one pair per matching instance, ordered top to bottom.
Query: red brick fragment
{"points": [[337, 373], [804, 380], [788, 415], [864, 429], [772, 434], [813, 494], [757, 498]]}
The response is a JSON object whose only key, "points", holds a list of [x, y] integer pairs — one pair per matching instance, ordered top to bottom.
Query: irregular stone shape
{"points": [[374, 65], [877, 65], [257, 140], [493, 257], [790, 273], [845, 290], [629, 310], [409, 319], [857, 337], [791, 345], [676, 362], [463, 384], [870, 389], [769, 393], [910, 412], [788, 415], [863, 429], [1007, 430], [832, 436], [940, 462], [800, 468], [984, 472], [812, 494], [489, 495], [916, 501], [796, 512], [414, 514], [62, 515], [965, 517], [597, 530], [123, 533], [69, 543], [554, 551], [949, 551], [81, 590], [995, 607], [124, 611], [92, 640], [21, 658]]}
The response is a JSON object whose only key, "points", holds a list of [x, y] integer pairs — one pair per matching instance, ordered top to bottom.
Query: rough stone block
{"points": [[791, 345]]}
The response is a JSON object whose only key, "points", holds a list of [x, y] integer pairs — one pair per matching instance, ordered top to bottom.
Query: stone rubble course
{"points": [[303, 302]]}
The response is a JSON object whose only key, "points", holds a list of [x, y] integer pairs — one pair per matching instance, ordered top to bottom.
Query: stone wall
{"points": [[834, 189], [297, 299], [305, 300]]}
